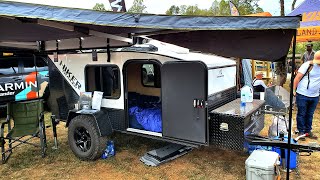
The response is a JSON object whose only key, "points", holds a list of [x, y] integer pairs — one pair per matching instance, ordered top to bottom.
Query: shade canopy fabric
{"points": [[310, 24], [266, 38]]}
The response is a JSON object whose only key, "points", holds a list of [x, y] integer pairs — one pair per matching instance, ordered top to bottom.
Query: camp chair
{"points": [[28, 121]]}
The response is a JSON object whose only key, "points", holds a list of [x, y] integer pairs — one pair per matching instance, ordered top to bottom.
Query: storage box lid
{"points": [[233, 108], [262, 159]]}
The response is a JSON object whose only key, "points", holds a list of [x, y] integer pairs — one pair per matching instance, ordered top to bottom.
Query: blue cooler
{"points": [[293, 155]]}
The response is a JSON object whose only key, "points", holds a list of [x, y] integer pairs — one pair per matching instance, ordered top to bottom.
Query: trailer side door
{"points": [[184, 93]]}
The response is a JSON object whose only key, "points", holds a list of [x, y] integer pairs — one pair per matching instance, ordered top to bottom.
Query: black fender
{"points": [[101, 118]]}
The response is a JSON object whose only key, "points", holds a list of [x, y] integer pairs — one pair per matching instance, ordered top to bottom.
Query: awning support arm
{"points": [[90, 32], [109, 36], [291, 100]]}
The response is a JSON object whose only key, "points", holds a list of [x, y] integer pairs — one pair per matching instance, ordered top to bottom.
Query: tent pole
{"points": [[293, 64], [239, 71], [37, 80]]}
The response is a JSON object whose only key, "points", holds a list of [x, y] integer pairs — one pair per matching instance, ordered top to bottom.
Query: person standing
{"points": [[309, 54], [306, 88]]}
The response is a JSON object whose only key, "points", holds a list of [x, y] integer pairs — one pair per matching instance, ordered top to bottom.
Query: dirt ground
{"points": [[202, 163]]}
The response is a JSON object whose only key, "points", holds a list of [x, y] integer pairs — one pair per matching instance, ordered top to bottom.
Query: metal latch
{"points": [[199, 103]]}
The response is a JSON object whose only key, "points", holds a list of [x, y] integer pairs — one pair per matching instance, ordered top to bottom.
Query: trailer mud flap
{"points": [[184, 89], [101, 118]]}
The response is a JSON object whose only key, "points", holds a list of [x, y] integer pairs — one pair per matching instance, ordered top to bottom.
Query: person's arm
{"points": [[300, 73], [296, 81], [261, 82], [264, 85]]}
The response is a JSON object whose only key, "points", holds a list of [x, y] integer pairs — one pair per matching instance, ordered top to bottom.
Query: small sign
{"points": [[97, 99], [85, 100]]}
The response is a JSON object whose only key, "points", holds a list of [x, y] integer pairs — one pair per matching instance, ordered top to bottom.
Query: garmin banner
{"points": [[118, 5], [23, 87]]}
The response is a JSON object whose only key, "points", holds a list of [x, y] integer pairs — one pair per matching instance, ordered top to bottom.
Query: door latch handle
{"points": [[198, 103]]}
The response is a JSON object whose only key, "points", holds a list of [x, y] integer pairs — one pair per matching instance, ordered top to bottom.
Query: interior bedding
{"points": [[144, 112]]}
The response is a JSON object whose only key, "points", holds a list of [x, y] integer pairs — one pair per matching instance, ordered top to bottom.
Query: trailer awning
{"points": [[265, 38]]}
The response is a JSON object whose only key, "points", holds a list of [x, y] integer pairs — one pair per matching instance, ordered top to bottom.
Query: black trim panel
{"points": [[62, 95]]}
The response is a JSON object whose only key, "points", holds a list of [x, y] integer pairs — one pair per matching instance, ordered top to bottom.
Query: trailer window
{"points": [[28, 65], [150, 75], [104, 78]]}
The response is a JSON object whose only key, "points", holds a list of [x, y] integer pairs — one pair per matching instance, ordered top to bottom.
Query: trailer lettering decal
{"points": [[70, 76]]}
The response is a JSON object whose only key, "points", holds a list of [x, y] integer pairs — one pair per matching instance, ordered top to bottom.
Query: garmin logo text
{"points": [[70, 76], [16, 86], [7, 94]]}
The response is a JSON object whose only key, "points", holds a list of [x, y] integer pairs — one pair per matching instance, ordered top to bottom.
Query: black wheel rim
{"points": [[82, 139]]}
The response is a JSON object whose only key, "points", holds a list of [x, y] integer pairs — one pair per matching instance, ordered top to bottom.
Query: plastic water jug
{"points": [[246, 94]]}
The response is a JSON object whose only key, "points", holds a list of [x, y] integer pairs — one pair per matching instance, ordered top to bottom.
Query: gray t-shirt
{"points": [[308, 57], [314, 77]]}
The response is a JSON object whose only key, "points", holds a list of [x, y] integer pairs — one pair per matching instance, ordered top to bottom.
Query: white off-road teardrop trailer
{"points": [[184, 86], [155, 90]]}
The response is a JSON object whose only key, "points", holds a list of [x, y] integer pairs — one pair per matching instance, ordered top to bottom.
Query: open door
{"points": [[184, 95]]}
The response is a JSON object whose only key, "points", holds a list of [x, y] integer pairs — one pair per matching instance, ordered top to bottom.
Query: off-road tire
{"points": [[98, 143]]}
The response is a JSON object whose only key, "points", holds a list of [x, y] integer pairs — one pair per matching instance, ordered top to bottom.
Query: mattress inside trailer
{"points": [[145, 112]]}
